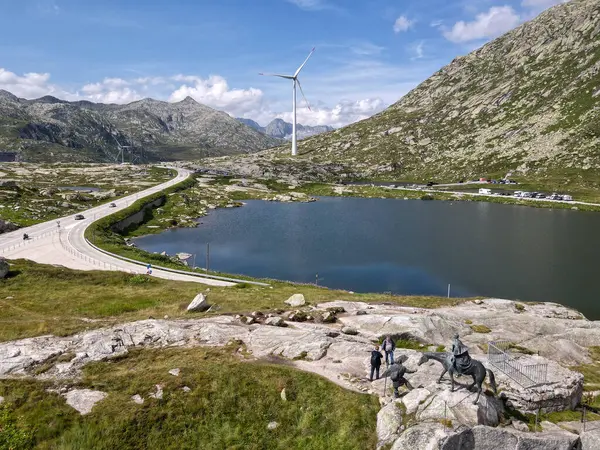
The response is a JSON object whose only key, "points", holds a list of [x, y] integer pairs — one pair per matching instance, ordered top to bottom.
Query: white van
{"points": [[485, 191], [567, 198]]}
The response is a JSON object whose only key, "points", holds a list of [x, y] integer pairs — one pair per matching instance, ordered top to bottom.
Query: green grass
{"points": [[55, 300], [480, 329], [591, 372], [229, 406]]}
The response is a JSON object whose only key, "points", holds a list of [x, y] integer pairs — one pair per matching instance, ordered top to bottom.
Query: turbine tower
{"points": [[295, 81]]}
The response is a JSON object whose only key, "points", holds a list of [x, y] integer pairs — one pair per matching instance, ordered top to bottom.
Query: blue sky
{"points": [[368, 52]]}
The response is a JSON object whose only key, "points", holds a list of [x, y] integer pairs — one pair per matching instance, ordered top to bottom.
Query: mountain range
{"points": [[528, 102], [50, 129], [280, 129]]}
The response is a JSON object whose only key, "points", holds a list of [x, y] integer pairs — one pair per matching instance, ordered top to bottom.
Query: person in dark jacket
{"points": [[388, 346], [375, 363], [396, 373]]}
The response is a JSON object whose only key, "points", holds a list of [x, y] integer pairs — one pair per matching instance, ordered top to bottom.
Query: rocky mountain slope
{"points": [[527, 102], [51, 129], [280, 129]]}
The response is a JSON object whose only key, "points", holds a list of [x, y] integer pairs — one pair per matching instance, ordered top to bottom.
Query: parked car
{"points": [[485, 191], [517, 193], [526, 194], [541, 196], [554, 196], [567, 198], [112, 205], [79, 217]]}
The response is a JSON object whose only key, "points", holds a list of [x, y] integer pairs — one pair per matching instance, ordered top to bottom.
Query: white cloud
{"points": [[310, 5], [498, 20], [402, 24], [366, 49], [417, 49], [29, 85], [111, 90], [215, 92]]}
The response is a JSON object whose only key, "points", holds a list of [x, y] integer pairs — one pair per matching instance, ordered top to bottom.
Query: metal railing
{"points": [[25, 242], [527, 375]]}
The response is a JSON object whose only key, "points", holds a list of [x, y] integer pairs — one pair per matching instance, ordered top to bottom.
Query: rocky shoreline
{"points": [[334, 339]]}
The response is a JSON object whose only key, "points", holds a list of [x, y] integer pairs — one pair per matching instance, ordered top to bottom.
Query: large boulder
{"points": [[4, 267], [296, 300], [199, 304], [83, 400], [389, 423], [424, 436], [590, 440]]}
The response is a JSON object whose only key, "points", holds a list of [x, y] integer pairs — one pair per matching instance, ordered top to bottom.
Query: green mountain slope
{"points": [[528, 102]]}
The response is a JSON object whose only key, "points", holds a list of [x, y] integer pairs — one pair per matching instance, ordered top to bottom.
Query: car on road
{"points": [[554, 196], [567, 198], [112, 205], [79, 217]]}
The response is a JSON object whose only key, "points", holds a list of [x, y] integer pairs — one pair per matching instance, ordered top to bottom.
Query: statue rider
{"points": [[461, 360]]}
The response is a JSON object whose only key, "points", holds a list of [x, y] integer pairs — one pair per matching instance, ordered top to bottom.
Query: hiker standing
{"points": [[388, 347], [375, 363], [396, 373]]}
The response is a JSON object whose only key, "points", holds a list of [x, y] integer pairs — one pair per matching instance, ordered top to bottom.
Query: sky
{"points": [[369, 53]]}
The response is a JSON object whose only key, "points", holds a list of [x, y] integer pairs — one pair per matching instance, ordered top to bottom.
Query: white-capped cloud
{"points": [[402, 23], [487, 25], [215, 92]]}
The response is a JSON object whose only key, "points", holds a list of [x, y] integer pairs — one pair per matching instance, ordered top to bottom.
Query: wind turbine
{"points": [[295, 81]]}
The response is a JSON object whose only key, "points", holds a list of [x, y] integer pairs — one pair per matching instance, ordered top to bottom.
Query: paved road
{"points": [[66, 245]]}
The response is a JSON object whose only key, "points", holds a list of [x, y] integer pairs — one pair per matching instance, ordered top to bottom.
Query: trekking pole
{"points": [[385, 387]]}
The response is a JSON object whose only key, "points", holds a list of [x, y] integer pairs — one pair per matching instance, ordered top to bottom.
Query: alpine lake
{"points": [[408, 247]]}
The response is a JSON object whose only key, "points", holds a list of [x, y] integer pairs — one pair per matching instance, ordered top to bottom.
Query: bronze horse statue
{"points": [[475, 369]]}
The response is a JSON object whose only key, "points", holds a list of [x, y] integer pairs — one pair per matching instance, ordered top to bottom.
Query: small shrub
{"points": [[138, 279], [520, 307], [468, 321], [480, 329], [440, 348], [12, 435]]}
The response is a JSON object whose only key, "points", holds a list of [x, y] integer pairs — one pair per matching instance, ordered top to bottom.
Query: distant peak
{"points": [[8, 95], [190, 100]]}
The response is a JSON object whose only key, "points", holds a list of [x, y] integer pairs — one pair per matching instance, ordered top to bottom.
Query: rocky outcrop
{"points": [[4, 267], [296, 300], [199, 303], [83, 400], [429, 414]]}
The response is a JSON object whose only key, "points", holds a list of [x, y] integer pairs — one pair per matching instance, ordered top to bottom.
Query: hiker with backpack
{"points": [[388, 346], [375, 363], [396, 373]]}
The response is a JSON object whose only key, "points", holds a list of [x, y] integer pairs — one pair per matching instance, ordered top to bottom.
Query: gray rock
{"points": [[4, 267], [296, 300], [199, 304], [361, 312], [275, 321], [349, 330], [174, 372], [186, 389], [159, 392], [283, 395], [137, 398], [1, 399], [83, 400], [389, 423], [272, 425], [520, 426], [423, 436], [590, 440]]}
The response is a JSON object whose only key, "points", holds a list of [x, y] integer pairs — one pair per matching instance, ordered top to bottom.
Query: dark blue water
{"points": [[406, 247]]}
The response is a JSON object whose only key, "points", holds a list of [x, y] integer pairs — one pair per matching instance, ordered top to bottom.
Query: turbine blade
{"points": [[305, 61], [289, 77], [303, 96]]}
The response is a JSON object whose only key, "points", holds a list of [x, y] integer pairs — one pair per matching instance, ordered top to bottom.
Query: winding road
{"points": [[65, 245]]}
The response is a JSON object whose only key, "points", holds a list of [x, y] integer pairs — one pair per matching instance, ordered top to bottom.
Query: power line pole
{"points": [[207, 256]]}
